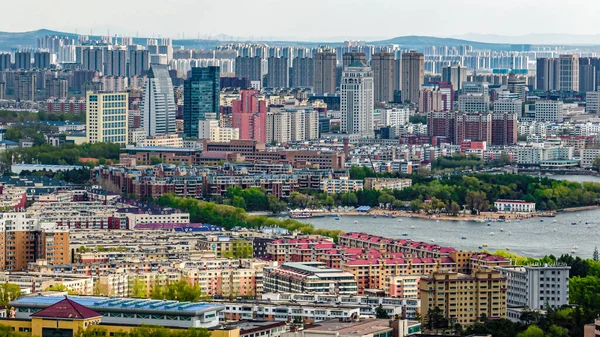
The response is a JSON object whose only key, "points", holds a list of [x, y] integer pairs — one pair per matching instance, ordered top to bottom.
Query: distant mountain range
{"points": [[9, 40]]}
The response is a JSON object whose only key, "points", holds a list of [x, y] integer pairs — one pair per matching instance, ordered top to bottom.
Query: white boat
{"points": [[399, 220], [437, 220], [554, 220], [355, 221], [412, 227], [502, 229], [555, 230], [492, 233], [509, 233], [432, 240], [575, 247], [572, 252]]}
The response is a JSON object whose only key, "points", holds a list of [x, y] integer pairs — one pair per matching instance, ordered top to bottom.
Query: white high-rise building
{"points": [[357, 100], [511, 106], [548, 111], [158, 117], [393, 117], [106, 118], [311, 124], [278, 127], [296, 127], [536, 287]]}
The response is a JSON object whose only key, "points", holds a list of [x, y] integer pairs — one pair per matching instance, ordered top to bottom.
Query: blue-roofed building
{"points": [[129, 311]]}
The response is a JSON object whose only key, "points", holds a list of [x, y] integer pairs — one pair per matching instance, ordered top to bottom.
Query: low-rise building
{"points": [[387, 183], [339, 186], [514, 206], [311, 277]]}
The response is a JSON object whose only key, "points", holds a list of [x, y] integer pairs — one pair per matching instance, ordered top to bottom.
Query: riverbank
{"points": [[483, 216]]}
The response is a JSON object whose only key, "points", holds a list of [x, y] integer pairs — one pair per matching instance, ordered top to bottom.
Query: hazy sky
{"points": [[304, 19]]}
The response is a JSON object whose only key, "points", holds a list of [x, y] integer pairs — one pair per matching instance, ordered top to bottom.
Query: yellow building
{"points": [[107, 117], [171, 140], [464, 298]]}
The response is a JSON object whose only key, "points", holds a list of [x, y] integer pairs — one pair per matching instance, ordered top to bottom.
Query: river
{"points": [[529, 237]]}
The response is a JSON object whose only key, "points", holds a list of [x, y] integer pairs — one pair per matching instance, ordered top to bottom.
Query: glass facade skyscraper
{"points": [[200, 96], [159, 103]]}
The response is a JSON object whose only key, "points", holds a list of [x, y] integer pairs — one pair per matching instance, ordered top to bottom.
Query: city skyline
{"points": [[398, 19]]}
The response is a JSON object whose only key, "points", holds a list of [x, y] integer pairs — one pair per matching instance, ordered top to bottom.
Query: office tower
{"points": [[353, 57], [93, 59], [22, 60], [41, 60], [5, 62], [139, 62], [116, 63], [383, 65], [250, 69], [302, 72], [568, 72], [324, 73], [413, 73], [278, 75], [456, 75], [545, 76], [587, 77], [25, 86], [518, 86], [57, 88], [476, 88], [2, 90], [201, 95], [430, 99], [356, 100], [592, 101], [474, 103], [159, 107], [548, 111], [249, 115], [107, 117], [473, 126], [504, 128], [25, 239], [486, 291]]}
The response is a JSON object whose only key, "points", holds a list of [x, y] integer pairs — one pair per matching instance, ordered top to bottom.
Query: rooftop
{"points": [[117, 304], [67, 309], [363, 327]]}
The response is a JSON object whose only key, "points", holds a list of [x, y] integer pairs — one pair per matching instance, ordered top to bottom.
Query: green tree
{"points": [[156, 160], [596, 163], [386, 198], [349, 199], [477, 201], [239, 202], [397, 204], [275, 205], [416, 205], [454, 208], [62, 288], [138, 289], [181, 291], [8, 292], [380, 313], [436, 320], [532, 331]]}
